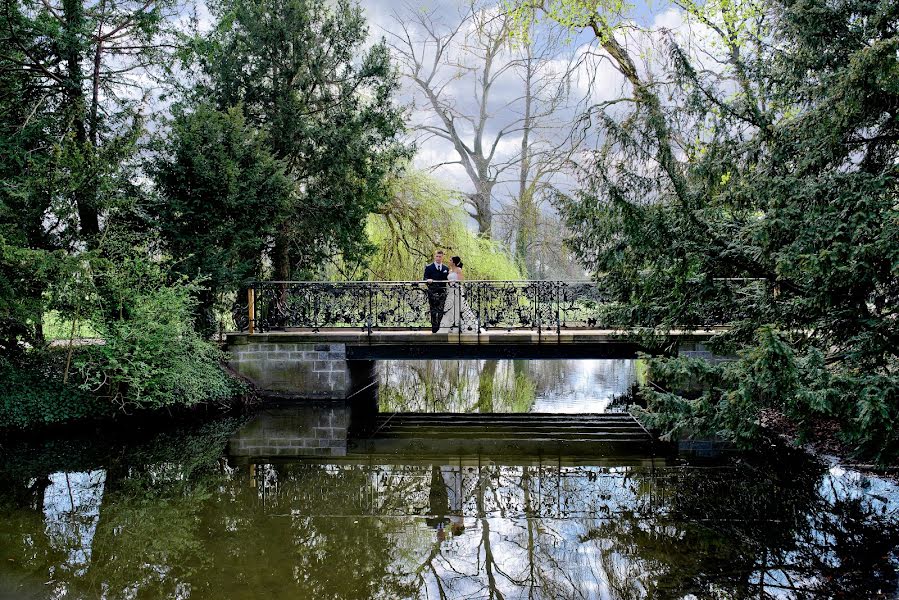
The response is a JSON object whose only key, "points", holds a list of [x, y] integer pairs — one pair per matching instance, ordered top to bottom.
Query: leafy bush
{"points": [[152, 356], [34, 394]]}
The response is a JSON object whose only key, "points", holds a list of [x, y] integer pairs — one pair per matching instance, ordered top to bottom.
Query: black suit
{"points": [[436, 292]]}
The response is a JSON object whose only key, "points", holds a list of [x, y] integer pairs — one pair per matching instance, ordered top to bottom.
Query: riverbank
{"points": [[822, 440]]}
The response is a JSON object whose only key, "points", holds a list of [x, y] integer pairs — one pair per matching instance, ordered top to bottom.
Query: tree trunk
{"points": [[85, 195], [526, 210], [483, 214], [281, 255]]}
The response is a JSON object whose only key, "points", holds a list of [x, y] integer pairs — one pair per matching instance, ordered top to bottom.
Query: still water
{"points": [[554, 386], [277, 504]]}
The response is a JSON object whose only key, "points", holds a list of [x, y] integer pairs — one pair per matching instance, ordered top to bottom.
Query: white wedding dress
{"points": [[456, 311]]}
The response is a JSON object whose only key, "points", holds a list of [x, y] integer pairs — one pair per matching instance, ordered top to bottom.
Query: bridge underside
{"points": [[411, 344], [335, 363]]}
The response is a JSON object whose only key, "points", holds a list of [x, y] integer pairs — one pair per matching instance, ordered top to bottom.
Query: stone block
{"points": [[322, 347]]}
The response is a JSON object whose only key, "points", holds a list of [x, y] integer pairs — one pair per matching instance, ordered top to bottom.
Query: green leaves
{"points": [[297, 69], [788, 191], [222, 193], [152, 356]]}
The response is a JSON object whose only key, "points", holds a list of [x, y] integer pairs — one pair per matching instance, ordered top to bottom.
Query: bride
{"points": [[456, 310]]}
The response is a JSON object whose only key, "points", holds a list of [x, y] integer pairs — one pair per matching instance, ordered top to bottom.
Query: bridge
{"points": [[317, 339]]}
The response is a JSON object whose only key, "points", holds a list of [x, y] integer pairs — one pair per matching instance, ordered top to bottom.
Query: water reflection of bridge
{"points": [[346, 429], [452, 486]]}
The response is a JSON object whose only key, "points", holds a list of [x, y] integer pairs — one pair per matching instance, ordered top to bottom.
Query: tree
{"points": [[297, 70], [73, 76], [97, 110], [514, 135], [775, 175], [222, 192], [419, 218]]}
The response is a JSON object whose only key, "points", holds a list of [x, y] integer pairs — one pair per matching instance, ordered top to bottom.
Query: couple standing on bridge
{"points": [[449, 310]]}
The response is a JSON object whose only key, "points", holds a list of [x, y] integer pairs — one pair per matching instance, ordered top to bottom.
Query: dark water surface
{"points": [[278, 504]]}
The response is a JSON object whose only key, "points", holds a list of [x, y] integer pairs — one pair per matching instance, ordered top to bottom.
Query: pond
{"points": [[277, 504]]}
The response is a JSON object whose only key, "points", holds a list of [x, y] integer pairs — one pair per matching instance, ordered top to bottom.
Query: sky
{"points": [[595, 80]]}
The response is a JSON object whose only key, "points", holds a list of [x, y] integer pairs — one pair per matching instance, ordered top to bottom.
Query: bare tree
{"points": [[510, 130]]}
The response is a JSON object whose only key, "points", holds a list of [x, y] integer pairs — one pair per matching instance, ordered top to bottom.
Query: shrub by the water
{"points": [[152, 356], [34, 393]]}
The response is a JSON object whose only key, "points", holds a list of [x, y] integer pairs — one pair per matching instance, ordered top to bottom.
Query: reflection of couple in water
{"points": [[449, 310], [445, 503]]}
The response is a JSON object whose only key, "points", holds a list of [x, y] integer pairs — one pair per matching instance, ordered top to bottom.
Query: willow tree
{"points": [[777, 168], [423, 216]]}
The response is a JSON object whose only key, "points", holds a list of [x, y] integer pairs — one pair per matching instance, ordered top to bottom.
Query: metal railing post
{"points": [[251, 309], [558, 309], [459, 311], [368, 313], [480, 315]]}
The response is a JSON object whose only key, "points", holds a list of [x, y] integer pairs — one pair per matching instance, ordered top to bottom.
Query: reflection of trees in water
{"points": [[500, 385], [455, 386], [182, 523], [778, 528]]}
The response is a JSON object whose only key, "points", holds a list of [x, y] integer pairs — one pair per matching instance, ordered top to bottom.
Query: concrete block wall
{"points": [[699, 350], [302, 370], [304, 429]]}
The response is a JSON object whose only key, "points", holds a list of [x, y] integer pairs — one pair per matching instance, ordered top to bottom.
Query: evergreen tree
{"points": [[298, 70], [221, 193], [762, 196]]}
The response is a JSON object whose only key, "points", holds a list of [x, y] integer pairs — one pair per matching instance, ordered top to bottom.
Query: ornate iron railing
{"points": [[471, 306], [477, 306]]}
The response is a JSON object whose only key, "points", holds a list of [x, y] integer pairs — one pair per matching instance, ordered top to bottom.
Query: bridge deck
{"points": [[422, 336], [521, 343], [497, 433]]}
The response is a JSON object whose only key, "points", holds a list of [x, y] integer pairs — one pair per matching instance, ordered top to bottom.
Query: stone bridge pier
{"points": [[313, 370], [298, 429]]}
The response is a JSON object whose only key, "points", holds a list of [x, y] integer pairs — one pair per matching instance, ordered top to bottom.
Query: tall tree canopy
{"points": [[300, 71], [762, 190], [222, 192]]}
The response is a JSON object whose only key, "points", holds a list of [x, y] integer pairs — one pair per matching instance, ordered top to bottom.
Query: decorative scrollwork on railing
{"points": [[369, 305], [543, 306]]}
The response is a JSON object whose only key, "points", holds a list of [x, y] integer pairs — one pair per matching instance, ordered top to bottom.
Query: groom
{"points": [[435, 274]]}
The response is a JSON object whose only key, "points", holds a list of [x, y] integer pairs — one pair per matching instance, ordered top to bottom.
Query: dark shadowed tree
{"points": [[221, 194], [763, 195]]}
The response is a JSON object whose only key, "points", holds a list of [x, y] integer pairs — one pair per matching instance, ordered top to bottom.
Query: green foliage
{"points": [[299, 69], [275, 155], [221, 194], [422, 217], [779, 218], [58, 328], [152, 356], [34, 393]]}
